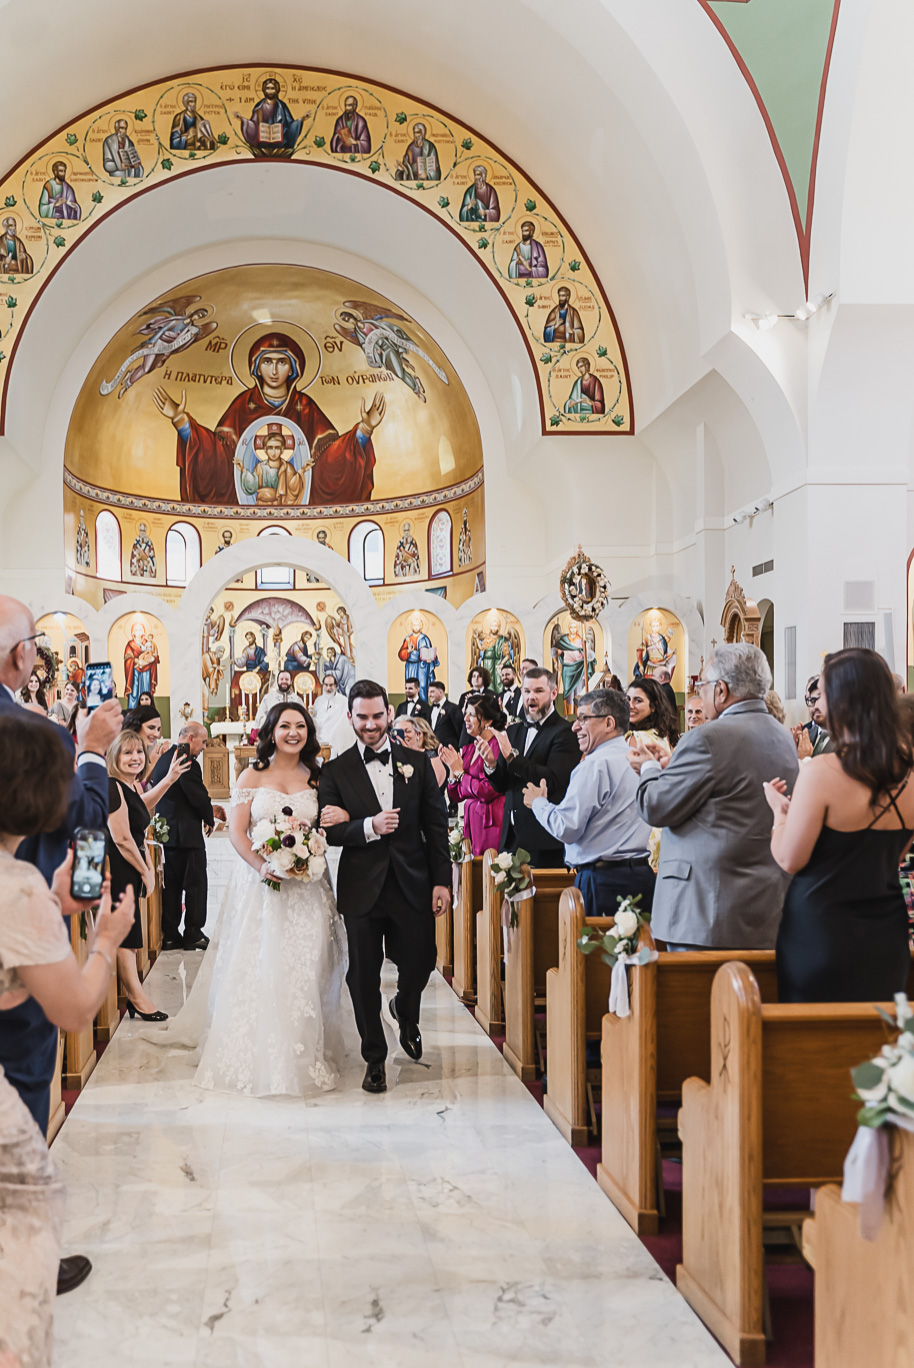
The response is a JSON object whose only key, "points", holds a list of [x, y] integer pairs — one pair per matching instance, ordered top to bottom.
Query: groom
{"points": [[395, 872]]}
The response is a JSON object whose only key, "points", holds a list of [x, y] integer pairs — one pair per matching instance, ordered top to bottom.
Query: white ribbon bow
{"points": [[507, 902], [619, 1004], [866, 1173]]}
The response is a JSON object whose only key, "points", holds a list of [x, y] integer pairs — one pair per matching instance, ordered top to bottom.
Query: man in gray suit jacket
{"points": [[718, 887]]}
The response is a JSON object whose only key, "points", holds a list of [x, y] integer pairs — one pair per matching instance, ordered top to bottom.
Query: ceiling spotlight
{"points": [[800, 315], [762, 321]]}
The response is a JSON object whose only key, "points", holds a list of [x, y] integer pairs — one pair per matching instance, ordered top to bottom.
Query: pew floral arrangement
{"points": [[158, 829], [455, 843], [292, 848], [512, 878], [619, 948], [885, 1086]]}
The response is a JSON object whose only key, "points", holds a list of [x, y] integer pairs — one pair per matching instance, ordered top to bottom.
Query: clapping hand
{"points": [[804, 742], [485, 752], [639, 753], [452, 759], [534, 791], [776, 793]]}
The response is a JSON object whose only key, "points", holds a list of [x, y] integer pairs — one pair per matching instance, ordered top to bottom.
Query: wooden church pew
{"points": [[466, 908], [444, 942], [533, 949], [577, 990], [489, 1010], [79, 1051], [646, 1058], [778, 1110], [57, 1113], [864, 1288]]}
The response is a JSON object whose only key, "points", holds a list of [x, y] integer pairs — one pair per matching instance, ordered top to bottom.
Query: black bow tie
{"points": [[534, 726], [381, 757]]}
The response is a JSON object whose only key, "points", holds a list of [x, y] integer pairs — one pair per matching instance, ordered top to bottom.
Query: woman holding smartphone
{"points": [[144, 719], [129, 811], [36, 961]]}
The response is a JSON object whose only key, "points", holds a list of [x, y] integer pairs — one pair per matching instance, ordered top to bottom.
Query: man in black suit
{"points": [[663, 677], [511, 697], [414, 706], [446, 717], [540, 746], [187, 809], [395, 872], [28, 1041]]}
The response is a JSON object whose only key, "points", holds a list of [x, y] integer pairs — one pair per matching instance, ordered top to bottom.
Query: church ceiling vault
{"points": [[783, 49], [177, 127]]}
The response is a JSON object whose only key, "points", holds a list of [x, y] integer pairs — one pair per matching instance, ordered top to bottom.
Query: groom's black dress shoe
{"points": [[200, 944], [171, 945], [410, 1038], [375, 1080], [71, 1272]]}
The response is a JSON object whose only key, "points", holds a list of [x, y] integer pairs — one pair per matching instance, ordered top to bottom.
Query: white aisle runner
{"points": [[444, 1223]]}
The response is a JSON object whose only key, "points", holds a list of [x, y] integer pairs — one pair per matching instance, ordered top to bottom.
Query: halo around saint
{"points": [[254, 331]]}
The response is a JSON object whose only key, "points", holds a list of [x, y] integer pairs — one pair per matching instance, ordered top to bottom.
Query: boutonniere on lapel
{"points": [[406, 771]]}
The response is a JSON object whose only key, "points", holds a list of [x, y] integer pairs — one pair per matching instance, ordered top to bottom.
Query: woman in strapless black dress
{"points": [[844, 931]]}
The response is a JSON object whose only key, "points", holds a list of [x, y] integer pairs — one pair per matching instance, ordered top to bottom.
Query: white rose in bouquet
{"points": [[262, 831], [317, 843], [282, 859], [318, 866], [626, 923], [901, 1081]]}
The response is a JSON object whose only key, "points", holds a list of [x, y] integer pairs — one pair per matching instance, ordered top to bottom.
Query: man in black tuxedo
{"points": [[511, 697], [414, 706], [446, 717], [540, 746], [187, 809], [394, 875], [28, 1041]]}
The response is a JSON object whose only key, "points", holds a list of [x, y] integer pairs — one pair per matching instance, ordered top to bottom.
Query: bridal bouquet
{"points": [[292, 848]]}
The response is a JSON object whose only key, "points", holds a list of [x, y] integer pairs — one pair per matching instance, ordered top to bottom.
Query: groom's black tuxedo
{"points": [[384, 887]]}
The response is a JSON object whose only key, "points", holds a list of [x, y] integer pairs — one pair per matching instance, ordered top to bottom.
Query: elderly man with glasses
{"points": [[605, 838], [718, 887]]}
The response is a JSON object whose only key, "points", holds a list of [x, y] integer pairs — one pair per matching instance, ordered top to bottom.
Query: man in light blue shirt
{"points": [[605, 838]]}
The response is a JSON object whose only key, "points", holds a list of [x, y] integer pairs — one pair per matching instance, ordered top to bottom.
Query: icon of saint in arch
{"points": [[343, 464]]}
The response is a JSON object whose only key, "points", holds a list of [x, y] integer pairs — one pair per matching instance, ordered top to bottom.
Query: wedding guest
{"points": [[528, 664], [664, 678], [480, 681], [900, 687], [510, 692], [283, 693], [32, 694], [144, 700], [413, 705], [776, 707], [63, 709], [694, 712], [330, 715], [145, 720], [652, 720], [447, 721], [416, 734], [813, 737], [541, 746], [484, 806], [129, 811], [188, 811], [605, 838], [906, 870], [718, 886], [844, 933], [38, 966], [28, 1041]]}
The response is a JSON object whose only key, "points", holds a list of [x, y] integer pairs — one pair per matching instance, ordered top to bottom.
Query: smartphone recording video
{"points": [[99, 683], [88, 864]]}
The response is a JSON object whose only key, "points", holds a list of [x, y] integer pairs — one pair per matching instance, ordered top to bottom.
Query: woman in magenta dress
{"points": [[483, 807]]}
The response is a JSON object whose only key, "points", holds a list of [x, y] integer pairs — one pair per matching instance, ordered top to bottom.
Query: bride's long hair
{"points": [[266, 740]]}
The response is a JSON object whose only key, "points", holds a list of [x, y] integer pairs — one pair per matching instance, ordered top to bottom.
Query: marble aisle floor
{"points": [[444, 1223]]}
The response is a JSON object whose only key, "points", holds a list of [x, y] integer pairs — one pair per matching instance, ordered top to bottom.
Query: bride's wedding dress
{"points": [[265, 1008]]}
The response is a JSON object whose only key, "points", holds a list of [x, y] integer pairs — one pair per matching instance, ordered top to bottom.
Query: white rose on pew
{"points": [[504, 860], [500, 877], [626, 924], [901, 1081]]}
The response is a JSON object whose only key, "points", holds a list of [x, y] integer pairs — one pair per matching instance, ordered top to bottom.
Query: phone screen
{"points": [[99, 683], [88, 863]]}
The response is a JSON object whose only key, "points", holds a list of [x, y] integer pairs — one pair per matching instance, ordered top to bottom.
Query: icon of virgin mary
{"points": [[343, 465]]}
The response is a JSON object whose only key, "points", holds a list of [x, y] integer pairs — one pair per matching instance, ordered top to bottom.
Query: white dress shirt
{"points": [[533, 732], [382, 781]]}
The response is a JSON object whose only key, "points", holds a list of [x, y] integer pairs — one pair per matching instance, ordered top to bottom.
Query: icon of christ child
{"points": [[343, 464], [274, 480]]}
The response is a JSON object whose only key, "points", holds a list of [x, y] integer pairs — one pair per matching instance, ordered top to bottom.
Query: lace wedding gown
{"points": [[265, 1008]]}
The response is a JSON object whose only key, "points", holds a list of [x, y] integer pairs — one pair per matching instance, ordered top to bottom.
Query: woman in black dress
{"points": [[129, 811], [844, 932]]}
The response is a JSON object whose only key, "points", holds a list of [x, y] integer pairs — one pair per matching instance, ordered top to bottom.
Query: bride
{"points": [[266, 1005]]}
